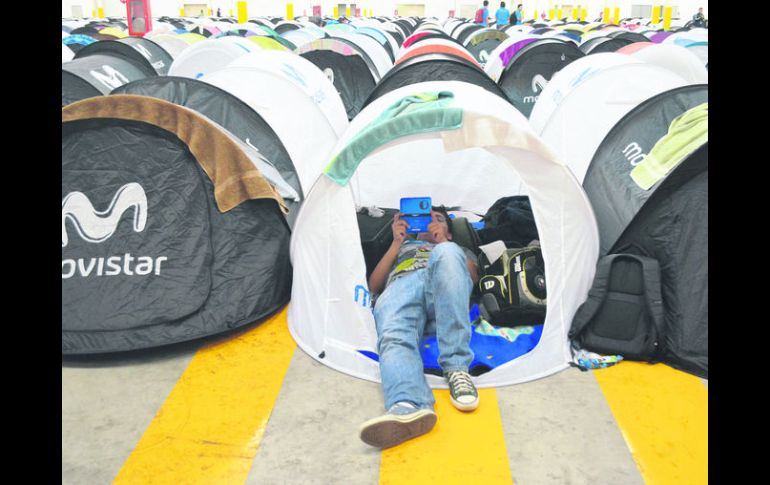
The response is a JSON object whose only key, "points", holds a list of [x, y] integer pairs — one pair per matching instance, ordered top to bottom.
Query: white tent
{"points": [[171, 43], [373, 49], [66, 53], [209, 55], [673, 57], [584, 100], [301, 110], [489, 153]]}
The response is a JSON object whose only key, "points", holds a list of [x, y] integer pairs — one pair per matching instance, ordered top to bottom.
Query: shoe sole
{"points": [[465, 407], [390, 430]]}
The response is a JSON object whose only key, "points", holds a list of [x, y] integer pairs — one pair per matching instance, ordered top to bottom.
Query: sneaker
{"points": [[462, 391], [402, 422]]}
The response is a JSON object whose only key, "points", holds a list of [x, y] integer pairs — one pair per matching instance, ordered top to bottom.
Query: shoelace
{"points": [[461, 382]]}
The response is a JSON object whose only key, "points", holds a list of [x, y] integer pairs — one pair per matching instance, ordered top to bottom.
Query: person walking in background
{"points": [[482, 14], [518, 15], [502, 16]]}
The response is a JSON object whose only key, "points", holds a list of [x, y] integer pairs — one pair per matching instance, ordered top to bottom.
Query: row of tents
{"points": [[211, 151]]}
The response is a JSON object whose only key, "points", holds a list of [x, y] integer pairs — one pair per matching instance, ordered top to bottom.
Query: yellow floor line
{"points": [[663, 415], [210, 426], [462, 448]]}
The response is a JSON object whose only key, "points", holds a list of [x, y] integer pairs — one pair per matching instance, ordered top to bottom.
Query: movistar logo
{"points": [[110, 77], [538, 84], [633, 153], [94, 226]]}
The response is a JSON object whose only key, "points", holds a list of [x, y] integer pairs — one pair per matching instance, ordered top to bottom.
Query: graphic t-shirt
{"points": [[413, 255]]}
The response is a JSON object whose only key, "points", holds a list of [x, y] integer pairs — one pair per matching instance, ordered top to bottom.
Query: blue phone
{"points": [[416, 212]]}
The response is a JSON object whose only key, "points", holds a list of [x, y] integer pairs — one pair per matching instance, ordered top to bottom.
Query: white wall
{"points": [[433, 8]]}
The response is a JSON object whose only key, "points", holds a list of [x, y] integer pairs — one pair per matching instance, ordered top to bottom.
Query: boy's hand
{"points": [[399, 228]]}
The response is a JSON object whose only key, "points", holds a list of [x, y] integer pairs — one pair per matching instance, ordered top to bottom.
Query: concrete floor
{"points": [[557, 430]]}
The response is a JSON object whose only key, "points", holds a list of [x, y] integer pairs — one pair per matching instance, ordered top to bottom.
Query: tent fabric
{"points": [[142, 51], [204, 57], [348, 67], [435, 67], [531, 67], [97, 74], [607, 88], [226, 110], [687, 132], [308, 134], [492, 154], [234, 182], [616, 199], [672, 227], [206, 233]]}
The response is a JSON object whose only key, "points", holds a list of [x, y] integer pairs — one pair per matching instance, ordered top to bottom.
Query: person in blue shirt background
{"points": [[484, 14], [518, 15], [502, 16]]}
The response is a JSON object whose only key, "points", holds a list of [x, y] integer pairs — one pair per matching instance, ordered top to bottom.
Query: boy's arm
{"points": [[379, 276]]}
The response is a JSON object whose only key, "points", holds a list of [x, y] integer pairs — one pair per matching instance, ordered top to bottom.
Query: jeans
{"points": [[435, 298]]}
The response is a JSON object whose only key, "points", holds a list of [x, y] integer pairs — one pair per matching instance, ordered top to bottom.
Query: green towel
{"points": [[419, 113], [687, 132]]}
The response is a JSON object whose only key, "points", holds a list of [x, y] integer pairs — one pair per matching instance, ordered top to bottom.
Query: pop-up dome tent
{"points": [[482, 42], [597, 45], [438, 46], [138, 49], [504, 52], [67, 54], [210, 55], [672, 57], [347, 66], [434, 67], [531, 67], [98, 74], [583, 101], [298, 102], [230, 113], [462, 146], [648, 185], [169, 230]]}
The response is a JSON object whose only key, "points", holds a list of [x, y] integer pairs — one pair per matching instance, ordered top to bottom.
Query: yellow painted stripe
{"points": [[663, 415], [210, 426], [461, 448]]}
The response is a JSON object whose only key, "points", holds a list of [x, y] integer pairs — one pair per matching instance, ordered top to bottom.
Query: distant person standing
{"points": [[219, 12], [482, 13], [518, 15], [502, 16], [699, 20]]}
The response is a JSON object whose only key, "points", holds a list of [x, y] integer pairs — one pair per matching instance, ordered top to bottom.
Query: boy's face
{"points": [[438, 229]]}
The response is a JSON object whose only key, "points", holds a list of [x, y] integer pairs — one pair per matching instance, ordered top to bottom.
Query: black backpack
{"points": [[512, 289], [623, 313]]}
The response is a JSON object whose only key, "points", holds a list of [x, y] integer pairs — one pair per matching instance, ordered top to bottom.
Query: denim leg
{"points": [[448, 297], [400, 317]]}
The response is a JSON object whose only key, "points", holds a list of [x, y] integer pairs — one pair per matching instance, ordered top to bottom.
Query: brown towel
{"points": [[232, 172]]}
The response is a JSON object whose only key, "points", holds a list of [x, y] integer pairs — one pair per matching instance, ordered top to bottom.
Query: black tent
{"points": [[625, 34], [481, 43], [604, 44], [138, 49], [348, 67], [434, 67], [531, 67], [98, 74], [227, 111], [668, 221], [169, 233]]}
